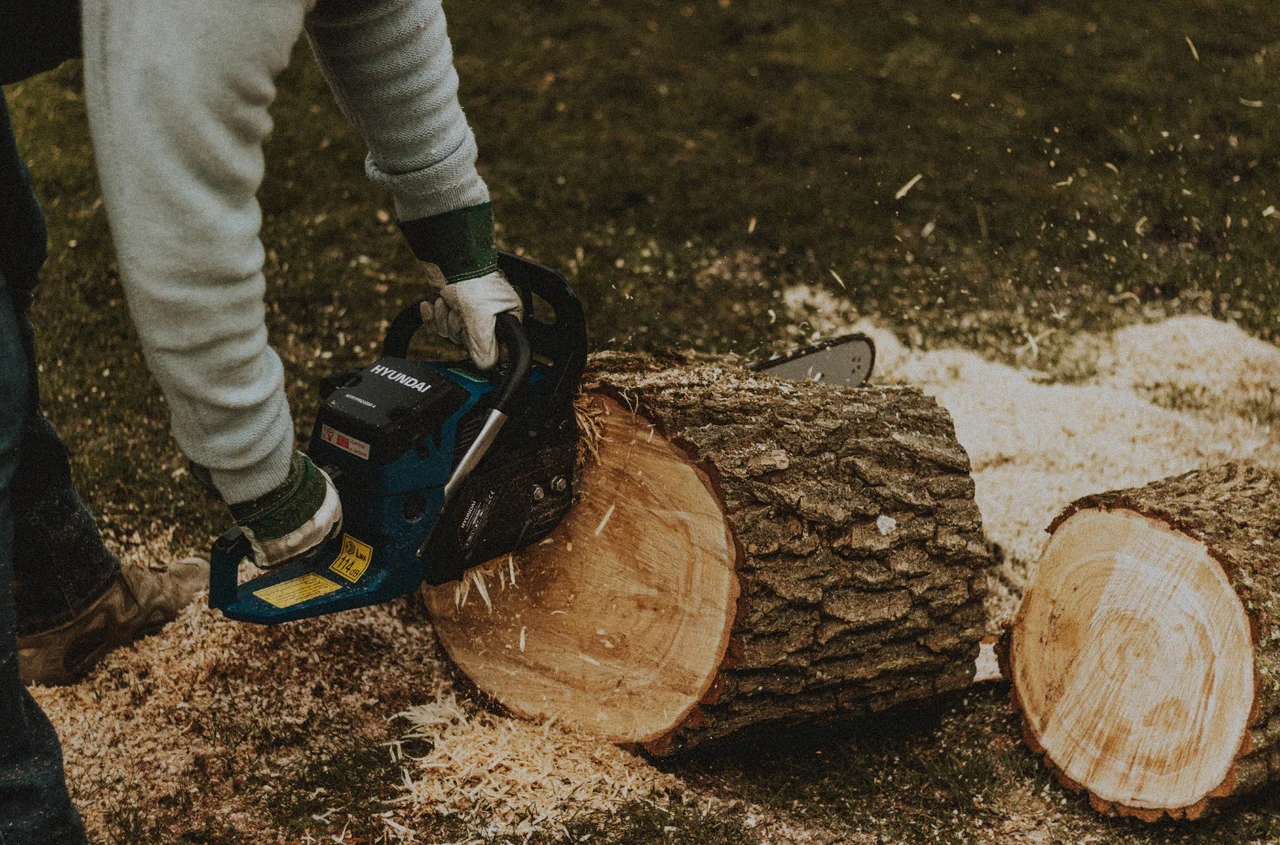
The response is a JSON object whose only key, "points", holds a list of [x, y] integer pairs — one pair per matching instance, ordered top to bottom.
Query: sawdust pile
{"points": [[1112, 411], [214, 727], [218, 729], [481, 766]]}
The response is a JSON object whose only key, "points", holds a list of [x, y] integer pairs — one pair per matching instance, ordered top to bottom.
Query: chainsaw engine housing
{"points": [[395, 430], [392, 435]]}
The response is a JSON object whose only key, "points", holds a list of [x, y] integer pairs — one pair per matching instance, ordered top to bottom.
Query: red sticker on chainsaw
{"points": [[344, 442]]}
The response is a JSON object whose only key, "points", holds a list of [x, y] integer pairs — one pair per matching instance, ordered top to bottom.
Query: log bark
{"points": [[746, 552], [1145, 659]]}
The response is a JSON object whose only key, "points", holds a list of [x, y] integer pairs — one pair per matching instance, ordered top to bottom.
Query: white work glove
{"points": [[466, 312], [294, 519]]}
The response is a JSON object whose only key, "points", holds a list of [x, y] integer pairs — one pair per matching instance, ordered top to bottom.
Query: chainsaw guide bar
{"points": [[846, 360]]}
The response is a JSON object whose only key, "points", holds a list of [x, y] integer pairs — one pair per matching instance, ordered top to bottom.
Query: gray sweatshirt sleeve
{"points": [[390, 65], [177, 94]]}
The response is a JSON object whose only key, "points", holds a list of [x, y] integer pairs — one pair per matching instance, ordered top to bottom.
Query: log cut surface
{"points": [[772, 553], [621, 620], [1143, 658]]}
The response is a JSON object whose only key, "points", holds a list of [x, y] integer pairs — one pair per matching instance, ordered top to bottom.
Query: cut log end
{"points": [[620, 621], [1133, 664]]}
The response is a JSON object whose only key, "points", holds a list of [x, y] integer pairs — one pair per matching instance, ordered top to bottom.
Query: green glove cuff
{"points": [[460, 242], [289, 506]]}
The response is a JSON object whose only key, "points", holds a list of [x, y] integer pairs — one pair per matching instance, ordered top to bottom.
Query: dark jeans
{"points": [[37, 35], [60, 565]]}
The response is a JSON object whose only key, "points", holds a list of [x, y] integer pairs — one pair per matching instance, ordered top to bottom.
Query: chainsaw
{"points": [[439, 466]]}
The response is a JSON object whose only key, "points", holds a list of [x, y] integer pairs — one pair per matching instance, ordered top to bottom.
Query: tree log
{"points": [[746, 552], [1145, 658]]}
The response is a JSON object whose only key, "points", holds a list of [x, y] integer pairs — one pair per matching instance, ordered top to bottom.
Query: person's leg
{"points": [[62, 566], [73, 601], [34, 806]]}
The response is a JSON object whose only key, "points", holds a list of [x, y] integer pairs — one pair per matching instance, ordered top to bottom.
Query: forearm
{"points": [[390, 65], [178, 96]]}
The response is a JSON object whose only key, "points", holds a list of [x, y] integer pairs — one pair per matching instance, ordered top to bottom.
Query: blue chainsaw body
{"points": [[393, 435]]}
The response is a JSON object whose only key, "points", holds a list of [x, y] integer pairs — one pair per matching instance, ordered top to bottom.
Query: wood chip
{"points": [[902, 192], [605, 520], [477, 576], [506, 777]]}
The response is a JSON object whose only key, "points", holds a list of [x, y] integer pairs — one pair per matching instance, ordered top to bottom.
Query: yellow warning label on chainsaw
{"points": [[353, 560], [296, 590]]}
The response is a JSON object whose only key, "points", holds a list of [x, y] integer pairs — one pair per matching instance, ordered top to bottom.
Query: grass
{"points": [[635, 128], [1082, 165], [1079, 166], [953, 772], [344, 785], [133, 824]]}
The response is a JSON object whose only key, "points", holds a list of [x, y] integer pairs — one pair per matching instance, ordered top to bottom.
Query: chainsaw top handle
{"points": [[511, 332], [562, 340]]}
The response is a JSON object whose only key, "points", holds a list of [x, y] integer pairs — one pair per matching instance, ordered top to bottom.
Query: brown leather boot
{"points": [[138, 603]]}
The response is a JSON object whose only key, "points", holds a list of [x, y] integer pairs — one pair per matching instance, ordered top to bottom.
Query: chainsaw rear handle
{"points": [[561, 341], [228, 552]]}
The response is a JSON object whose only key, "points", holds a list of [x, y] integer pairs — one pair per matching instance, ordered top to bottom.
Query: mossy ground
{"points": [[1081, 164]]}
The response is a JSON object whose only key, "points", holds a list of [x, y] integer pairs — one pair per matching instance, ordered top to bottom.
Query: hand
{"points": [[466, 312], [294, 519]]}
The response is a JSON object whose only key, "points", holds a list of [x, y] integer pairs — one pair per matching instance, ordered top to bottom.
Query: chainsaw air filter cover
{"points": [[380, 412]]}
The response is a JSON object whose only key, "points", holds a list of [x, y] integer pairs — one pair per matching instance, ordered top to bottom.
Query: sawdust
{"points": [[1186, 363], [1115, 410], [588, 415], [211, 725], [215, 728], [221, 729], [484, 769]]}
